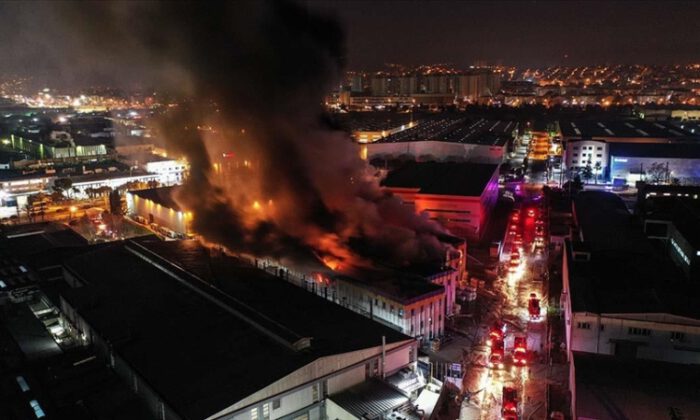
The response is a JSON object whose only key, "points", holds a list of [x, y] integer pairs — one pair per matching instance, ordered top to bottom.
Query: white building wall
{"points": [[578, 152], [169, 172], [163, 216], [665, 341], [397, 360], [346, 379], [336, 412]]}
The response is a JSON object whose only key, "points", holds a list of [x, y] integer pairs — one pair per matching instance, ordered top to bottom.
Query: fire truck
{"points": [[533, 307], [496, 333], [520, 351], [497, 355], [509, 406]]}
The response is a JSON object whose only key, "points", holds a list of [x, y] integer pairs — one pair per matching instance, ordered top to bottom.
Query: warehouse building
{"points": [[448, 138], [659, 162], [458, 195], [158, 205], [622, 294], [200, 335]]}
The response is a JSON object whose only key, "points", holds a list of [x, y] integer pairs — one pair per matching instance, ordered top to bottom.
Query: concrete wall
{"points": [[438, 149], [163, 216], [405, 318], [599, 334]]}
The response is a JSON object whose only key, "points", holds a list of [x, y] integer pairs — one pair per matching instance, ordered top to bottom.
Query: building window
{"points": [[575, 147], [599, 148], [575, 154], [599, 155], [574, 161], [384, 305], [401, 312], [413, 313], [583, 325], [602, 327], [638, 331], [677, 336], [316, 394], [276, 404], [38, 411], [266, 411], [254, 413]]}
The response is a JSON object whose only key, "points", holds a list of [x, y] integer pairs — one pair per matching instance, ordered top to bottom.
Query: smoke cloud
{"points": [[268, 175]]}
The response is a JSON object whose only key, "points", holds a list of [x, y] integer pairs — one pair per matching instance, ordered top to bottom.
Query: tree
{"points": [[587, 172], [658, 172], [62, 184], [115, 203], [36, 205]]}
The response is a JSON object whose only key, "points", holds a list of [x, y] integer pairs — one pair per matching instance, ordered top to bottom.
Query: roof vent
{"points": [[302, 343]]}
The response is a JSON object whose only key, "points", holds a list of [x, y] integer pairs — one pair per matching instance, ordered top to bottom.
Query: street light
{"points": [[72, 210]]}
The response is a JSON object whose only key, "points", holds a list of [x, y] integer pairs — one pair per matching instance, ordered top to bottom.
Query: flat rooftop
{"points": [[374, 121], [457, 129], [587, 129], [656, 150], [442, 178], [160, 195], [625, 274], [402, 287], [194, 339], [609, 388]]}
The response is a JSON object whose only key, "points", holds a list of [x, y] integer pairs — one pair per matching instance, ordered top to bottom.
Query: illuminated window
{"points": [[583, 325], [638, 331], [677, 336], [22, 383], [38, 411], [266, 411], [254, 413]]}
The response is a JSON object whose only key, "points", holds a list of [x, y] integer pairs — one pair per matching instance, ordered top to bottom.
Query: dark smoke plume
{"points": [[257, 72]]}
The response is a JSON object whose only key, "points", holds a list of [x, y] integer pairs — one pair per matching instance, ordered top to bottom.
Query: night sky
{"points": [[522, 33], [37, 39]]}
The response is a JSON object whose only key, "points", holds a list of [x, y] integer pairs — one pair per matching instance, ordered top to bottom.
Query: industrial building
{"points": [[623, 131], [448, 138], [69, 149], [622, 151], [657, 162], [458, 195], [158, 205], [671, 213], [622, 294], [407, 303], [200, 335], [609, 388]]}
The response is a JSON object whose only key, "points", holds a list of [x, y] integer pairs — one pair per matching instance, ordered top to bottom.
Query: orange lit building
{"points": [[458, 195], [157, 206]]}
